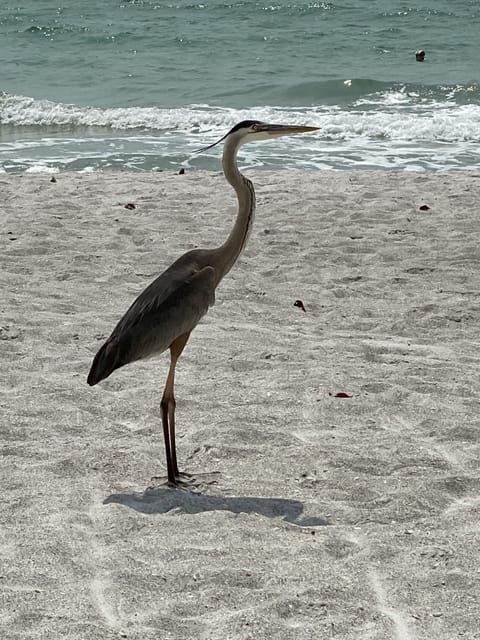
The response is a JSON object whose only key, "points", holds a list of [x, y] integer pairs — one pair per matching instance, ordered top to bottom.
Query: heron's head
{"points": [[254, 130]]}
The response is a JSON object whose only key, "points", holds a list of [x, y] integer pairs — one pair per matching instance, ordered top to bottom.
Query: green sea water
{"points": [[87, 85]]}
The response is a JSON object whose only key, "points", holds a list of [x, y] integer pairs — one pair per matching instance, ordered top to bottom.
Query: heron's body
{"points": [[171, 306], [167, 311]]}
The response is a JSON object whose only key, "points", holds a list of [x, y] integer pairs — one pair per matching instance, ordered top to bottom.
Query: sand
{"points": [[351, 516]]}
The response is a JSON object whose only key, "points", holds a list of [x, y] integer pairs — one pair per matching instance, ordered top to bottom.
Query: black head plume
{"points": [[245, 124]]}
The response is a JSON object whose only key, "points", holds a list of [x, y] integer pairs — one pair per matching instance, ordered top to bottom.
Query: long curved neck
{"points": [[227, 254]]}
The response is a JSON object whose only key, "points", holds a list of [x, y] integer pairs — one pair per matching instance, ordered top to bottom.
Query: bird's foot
{"points": [[203, 479], [180, 480], [185, 481]]}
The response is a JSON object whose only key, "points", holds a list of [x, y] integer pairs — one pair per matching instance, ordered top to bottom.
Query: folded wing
{"points": [[172, 305]]}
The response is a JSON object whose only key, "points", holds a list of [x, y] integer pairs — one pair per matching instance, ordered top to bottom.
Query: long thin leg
{"points": [[168, 410], [171, 425], [166, 437]]}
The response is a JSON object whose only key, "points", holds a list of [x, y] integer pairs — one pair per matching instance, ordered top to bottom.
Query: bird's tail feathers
{"points": [[108, 358]]}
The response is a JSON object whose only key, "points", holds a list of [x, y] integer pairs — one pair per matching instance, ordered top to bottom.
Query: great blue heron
{"points": [[165, 313]]}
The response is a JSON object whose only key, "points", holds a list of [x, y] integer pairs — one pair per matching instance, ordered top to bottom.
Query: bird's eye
{"points": [[254, 127]]}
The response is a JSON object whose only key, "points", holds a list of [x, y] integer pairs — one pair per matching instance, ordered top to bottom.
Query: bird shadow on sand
{"points": [[164, 499]]}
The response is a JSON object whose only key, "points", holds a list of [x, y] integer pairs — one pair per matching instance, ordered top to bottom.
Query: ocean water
{"points": [[141, 84]]}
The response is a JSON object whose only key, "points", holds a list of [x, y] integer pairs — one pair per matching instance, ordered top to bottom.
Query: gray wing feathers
{"points": [[171, 306], [155, 320]]}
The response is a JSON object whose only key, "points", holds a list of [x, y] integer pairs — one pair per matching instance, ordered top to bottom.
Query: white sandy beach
{"points": [[351, 518]]}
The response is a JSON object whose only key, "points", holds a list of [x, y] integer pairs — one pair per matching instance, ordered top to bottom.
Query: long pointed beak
{"points": [[285, 129]]}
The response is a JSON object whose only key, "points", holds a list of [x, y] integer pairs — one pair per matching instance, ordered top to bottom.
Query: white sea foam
{"points": [[424, 120], [443, 124], [386, 129], [41, 168]]}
